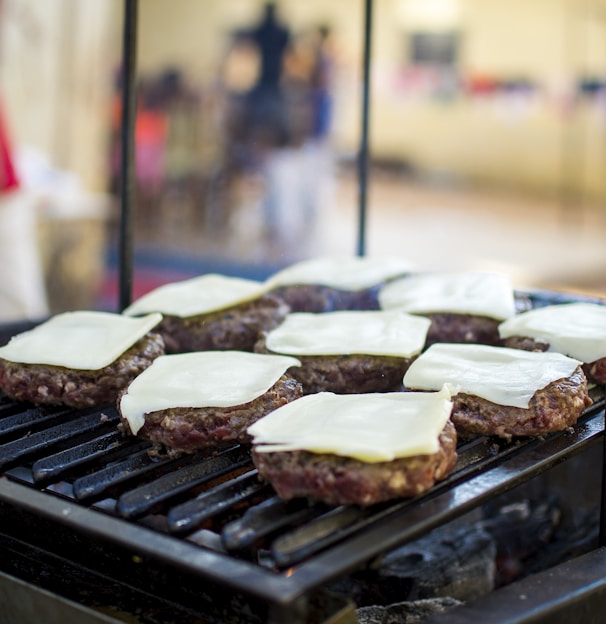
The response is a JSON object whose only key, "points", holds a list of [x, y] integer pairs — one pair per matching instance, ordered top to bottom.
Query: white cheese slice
{"points": [[342, 272], [480, 294], [198, 295], [574, 329], [348, 332], [83, 340], [498, 374], [201, 379], [370, 427]]}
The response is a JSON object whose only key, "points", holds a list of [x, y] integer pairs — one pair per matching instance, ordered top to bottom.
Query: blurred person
{"points": [[321, 83], [265, 101], [256, 117], [301, 179], [22, 285]]}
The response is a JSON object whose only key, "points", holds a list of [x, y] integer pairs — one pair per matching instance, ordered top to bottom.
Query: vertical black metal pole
{"points": [[127, 152], [363, 156], [602, 535]]}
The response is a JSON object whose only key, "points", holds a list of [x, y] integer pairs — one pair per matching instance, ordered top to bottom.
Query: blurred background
{"points": [[487, 138]]}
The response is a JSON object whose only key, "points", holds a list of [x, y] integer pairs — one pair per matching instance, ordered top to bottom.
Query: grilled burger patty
{"points": [[316, 298], [234, 328], [462, 328], [468, 328], [525, 343], [594, 371], [350, 374], [56, 385], [553, 408], [181, 430], [338, 480]]}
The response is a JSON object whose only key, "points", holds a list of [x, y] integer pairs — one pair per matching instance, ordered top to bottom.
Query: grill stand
{"points": [[41, 543], [205, 581]]}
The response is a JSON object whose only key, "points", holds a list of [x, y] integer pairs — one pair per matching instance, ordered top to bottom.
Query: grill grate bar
{"points": [[23, 422], [50, 438], [106, 447], [99, 484], [144, 499], [191, 514], [266, 518], [318, 534]]}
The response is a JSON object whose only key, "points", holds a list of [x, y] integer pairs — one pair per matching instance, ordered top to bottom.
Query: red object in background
{"points": [[482, 85], [8, 174]]}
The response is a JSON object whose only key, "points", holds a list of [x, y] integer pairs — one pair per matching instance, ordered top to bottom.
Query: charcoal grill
{"points": [[94, 529], [203, 532]]}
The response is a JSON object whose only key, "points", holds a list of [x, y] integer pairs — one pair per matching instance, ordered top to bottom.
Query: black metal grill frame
{"points": [[203, 530]]}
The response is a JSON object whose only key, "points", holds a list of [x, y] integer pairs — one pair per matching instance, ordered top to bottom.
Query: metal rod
{"points": [[127, 152], [363, 155], [602, 534]]}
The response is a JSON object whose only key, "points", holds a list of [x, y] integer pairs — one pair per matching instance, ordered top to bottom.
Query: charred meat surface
{"points": [[317, 298], [234, 328], [462, 328], [525, 343], [596, 371], [346, 374], [350, 374], [56, 385], [553, 408], [181, 430], [338, 480]]}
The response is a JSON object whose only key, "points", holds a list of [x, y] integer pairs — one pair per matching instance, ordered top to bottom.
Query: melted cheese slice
{"points": [[344, 273], [480, 294], [198, 295], [575, 329], [334, 333], [83, 340], [497, 374], [201, 379], [370, 427]]}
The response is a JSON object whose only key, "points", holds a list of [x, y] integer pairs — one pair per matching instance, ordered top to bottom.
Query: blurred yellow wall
{"points": [[58, 58], [542, 142]]}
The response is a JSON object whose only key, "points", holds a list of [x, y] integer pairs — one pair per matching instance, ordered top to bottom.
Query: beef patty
{"points": [[317, 298], [235, 328], [462, 328], [345, 373], [350, 374], [56, 385], [553, 408], [181, 430], [338, 480]]}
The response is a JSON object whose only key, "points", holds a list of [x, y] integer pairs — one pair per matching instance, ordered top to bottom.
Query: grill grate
{"points": [[77, 471]]}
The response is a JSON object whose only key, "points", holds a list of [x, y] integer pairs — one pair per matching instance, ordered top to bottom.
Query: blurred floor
{"points": [[537, 241]]}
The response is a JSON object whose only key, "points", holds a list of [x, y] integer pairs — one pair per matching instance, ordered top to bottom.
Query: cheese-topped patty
{"points": [[345, 273], [480, 294], [198, 295], [575, 329], [347, 332], [82, 340], [498, 374], [201, 379], [371, 427]]}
